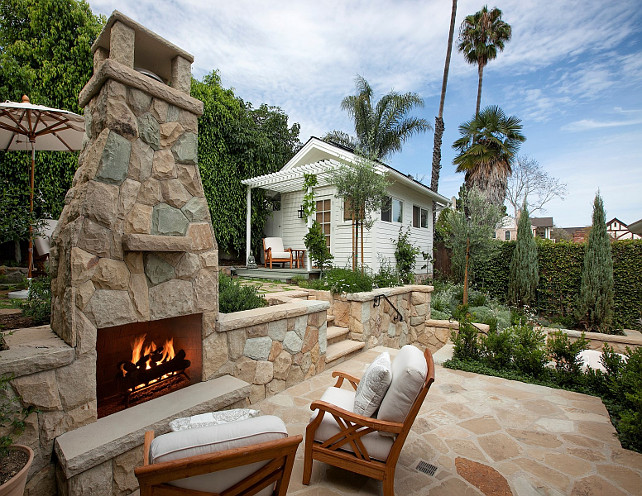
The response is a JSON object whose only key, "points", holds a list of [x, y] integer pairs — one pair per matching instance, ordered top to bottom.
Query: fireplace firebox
{"points": [[140, 361]]}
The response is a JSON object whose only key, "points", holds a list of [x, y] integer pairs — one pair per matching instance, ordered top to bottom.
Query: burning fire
{"points": [[149, 356]]}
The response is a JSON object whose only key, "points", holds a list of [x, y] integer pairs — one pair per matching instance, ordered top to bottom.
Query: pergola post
{"points": [[248, 226], [308, 265]]}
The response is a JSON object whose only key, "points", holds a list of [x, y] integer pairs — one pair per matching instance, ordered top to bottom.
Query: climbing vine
{"points": [[309, 205]]}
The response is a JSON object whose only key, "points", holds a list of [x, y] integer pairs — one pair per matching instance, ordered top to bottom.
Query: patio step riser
{"points": [[337, 334], [342, 351]]}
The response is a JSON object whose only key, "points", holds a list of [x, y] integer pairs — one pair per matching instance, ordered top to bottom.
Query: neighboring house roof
{"points": [[321, 158], [542, 221], [636, 227]]}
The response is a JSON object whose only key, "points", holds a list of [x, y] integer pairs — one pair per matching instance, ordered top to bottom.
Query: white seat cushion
{"points": [[280, 254], [409, 371], [373, 386], [191, 442], [377, 446]]}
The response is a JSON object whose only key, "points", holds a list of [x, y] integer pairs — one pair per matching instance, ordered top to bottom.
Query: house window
{"points": [[386, 209], [392, 210], [347, 211], [323, 216], [419, 217], [494, 235], [507, 235]]}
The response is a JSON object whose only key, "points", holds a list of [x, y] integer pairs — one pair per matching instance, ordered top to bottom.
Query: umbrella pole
{"points": [[30, 250]]}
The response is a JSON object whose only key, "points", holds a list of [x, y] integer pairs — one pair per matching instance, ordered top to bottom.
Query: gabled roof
{"points": [[321, 158], [615, 219], [542, 221], [636, 227]]}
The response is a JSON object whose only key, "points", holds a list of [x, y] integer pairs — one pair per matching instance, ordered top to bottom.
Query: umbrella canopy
{"points": [[25, 126]]}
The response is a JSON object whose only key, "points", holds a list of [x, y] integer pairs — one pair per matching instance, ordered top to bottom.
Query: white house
{"points": [[410, 204]]}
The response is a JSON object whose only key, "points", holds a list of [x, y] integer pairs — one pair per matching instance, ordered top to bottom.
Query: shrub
{"points": [[317, 248], [405, 253], [387, 277], [347, 281], [234, 297], [38, 302], [466, 340], [497, 348], [565, 352], [529, 353], [629, 391]]}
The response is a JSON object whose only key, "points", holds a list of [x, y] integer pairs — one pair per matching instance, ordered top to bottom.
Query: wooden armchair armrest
{"points": [[344, 375], [355, 418], [164, 472]]}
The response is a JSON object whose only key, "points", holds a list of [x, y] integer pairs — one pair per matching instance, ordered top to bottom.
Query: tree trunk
{"points": [[480, 71], [439, 121], [362, 216], [354, 243], [465, 298]]}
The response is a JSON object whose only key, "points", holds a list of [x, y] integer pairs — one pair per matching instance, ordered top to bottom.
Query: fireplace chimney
{"points": [[134, 242]]}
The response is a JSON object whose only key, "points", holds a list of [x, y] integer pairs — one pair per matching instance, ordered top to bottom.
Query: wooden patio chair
{"points": [[273, 251], [365, 445], [248, 457]]}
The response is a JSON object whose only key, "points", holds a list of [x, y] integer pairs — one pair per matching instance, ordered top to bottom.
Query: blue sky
{"points": [[572, 73]]}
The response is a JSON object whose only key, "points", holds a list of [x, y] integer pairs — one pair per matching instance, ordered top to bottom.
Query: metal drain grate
{"points": [[426, 468]]}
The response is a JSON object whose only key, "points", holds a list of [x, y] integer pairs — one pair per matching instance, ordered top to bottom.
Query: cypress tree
{"points": [[524, 271], [595, 309]]}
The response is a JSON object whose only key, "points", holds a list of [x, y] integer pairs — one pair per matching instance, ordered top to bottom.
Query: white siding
{"points": [[293, 229], [387, 233]]}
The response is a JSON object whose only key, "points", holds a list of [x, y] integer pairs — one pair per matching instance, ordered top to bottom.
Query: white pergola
{"points": [[286, 181]]}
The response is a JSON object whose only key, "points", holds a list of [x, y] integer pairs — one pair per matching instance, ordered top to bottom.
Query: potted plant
{"points": [[15, 460]]}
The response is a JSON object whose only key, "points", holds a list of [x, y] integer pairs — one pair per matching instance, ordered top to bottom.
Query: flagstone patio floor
{"points": [[542, 441]]}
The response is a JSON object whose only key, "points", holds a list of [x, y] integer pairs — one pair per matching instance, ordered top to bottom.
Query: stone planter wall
{"points": [[376, 325], [598, 339], [272, 348], [47, 376]]}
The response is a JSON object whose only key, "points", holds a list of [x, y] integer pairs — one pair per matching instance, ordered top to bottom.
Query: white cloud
{"points": [[589, 124]]}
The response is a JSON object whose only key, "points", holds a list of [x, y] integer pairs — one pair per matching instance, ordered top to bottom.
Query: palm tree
{"points": [[480, 36], [439, 120], [382, 130], [487, 148]]}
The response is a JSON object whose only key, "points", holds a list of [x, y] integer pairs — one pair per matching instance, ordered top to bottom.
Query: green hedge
{"points": [[560, 268]]}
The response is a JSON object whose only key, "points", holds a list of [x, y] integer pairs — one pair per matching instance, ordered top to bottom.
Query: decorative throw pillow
{"points": [[373, 386], [212, 418]]}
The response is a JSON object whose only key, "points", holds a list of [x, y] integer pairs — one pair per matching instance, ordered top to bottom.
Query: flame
{"points": [[139, 351]]}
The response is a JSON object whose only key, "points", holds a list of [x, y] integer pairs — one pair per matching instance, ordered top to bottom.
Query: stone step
{"points": [[330, 319], [336, 334], [341, 351]]}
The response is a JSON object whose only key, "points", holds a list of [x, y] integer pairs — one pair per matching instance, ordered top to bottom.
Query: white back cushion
{"points": [[275, 243], [409, 371], [373, 386], [190, 442]]}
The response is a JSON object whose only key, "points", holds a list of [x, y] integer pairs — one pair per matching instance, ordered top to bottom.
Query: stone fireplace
{"points": [[134, 253]]}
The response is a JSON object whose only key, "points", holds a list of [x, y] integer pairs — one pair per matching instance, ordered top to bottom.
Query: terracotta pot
{"points": [[16, 485]]}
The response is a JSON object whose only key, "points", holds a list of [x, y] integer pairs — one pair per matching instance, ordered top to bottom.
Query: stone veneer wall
{"points": [[375, 325], [274, 347]]}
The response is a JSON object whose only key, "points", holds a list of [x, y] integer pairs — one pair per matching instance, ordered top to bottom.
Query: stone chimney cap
{"points": [[149, 46]]}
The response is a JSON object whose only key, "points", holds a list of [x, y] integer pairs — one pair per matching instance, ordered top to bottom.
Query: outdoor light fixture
{"points": [[300, 212]]}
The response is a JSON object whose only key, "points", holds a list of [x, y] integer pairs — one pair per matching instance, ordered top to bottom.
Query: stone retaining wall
{"points": [[376, 325], [272, 348]]}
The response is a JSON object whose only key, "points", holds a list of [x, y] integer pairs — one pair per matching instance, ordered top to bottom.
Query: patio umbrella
{"points": [[25, 126]]}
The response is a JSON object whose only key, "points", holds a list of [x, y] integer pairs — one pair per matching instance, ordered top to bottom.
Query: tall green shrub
{"points": [[317, 248], [405, 253], [524, 271], [595, 308]]}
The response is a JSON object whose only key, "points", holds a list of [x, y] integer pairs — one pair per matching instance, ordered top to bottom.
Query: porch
{"points": [[275, 274]]}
